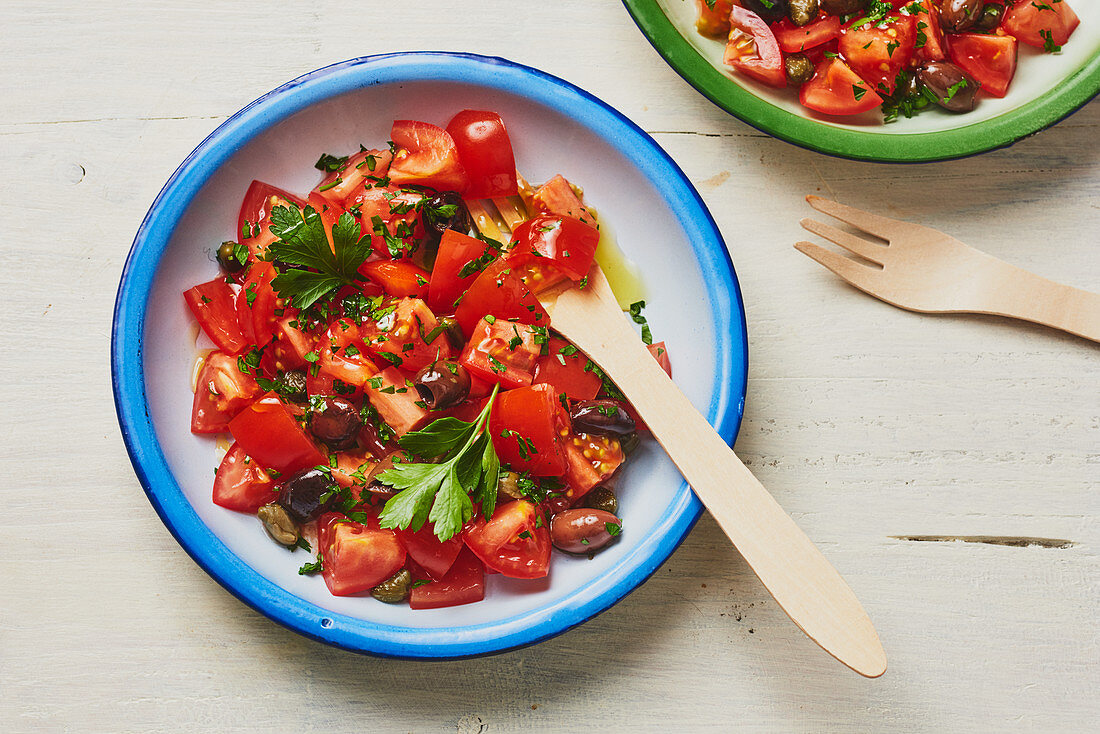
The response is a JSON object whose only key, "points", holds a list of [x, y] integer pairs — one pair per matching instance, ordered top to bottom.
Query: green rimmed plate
{"points": [[1046, 89]]}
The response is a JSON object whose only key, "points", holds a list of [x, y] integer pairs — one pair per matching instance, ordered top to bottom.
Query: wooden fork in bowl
{"points": [[923, 269], [802, 581]]}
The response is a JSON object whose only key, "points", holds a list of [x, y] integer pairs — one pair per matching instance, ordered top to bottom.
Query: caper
{"points": [[843, 7], [769, 10], [802, 12], [957, 16], [990, 18], [799, 69], [227, 257], [292, 385], [629, 442], [508, 485], [602, 498], [278, 524], [395, 589]]}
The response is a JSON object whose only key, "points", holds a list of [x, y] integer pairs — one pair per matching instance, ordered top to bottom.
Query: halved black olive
{"points": [[442, 385], [601, 418]]}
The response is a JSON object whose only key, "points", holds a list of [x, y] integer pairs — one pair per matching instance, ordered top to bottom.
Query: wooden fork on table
{"points": [[925, 270], [793, 570]]}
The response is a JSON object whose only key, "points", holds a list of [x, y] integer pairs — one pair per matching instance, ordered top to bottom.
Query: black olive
{"points": [[843, 7], [769, 10], [802, 12], [959, 15], [990, 18], [799, 69], [909, 86], [953, 88], [444, 211], [227, 258], [453, 332], [292, 385], [442, 385], [601, 418], [336, 422], [302, 494]]}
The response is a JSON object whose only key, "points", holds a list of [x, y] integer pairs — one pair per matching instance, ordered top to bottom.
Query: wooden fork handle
{"points": [[1021, 294], [802, 581]]}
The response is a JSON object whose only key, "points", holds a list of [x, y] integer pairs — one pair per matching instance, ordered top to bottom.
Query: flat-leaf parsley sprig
{"points": [[304, 242], [442, 492]]}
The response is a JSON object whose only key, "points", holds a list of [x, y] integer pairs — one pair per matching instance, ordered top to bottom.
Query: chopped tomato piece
{"points": [[714, 18], [1042, 24], [795, 39], [929, 45], [753, 50], [877, 52], [991, 60], [837, 90], [485, 152], [426, 156], [349, 179], [557, 196], [391, 215], [254, 220], [568, 243], [458, 261], [398, 277], [500, 291], [256, 304], [214, 307], [408, 336], [291, 345], [503, 351], [660, 353], [340, 354], [564, 370], [222, 391], [396, 400], [527, 425], [268, 432], [591, 460], [352, 468], [241, 484], [515, 542], [435, 556], [356, 557], [464, 583]]}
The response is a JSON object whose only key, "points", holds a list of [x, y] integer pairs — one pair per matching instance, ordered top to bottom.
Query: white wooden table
{"points": [[870, 424]]}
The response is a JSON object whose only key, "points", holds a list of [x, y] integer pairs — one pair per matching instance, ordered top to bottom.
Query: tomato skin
{"points": [[1024, 21], [714, 22], [928, 22], [795, 39], [753, 50], [878, 54], [991, 60], [831, 90], [486, 153], [426, 155], [342, 184], [255, 214], [568, 243], [398, 277], [447, 283], [499, 291], [256, 303], [214, 308], [515, 362], [570, 378], [222, 391], [534, 414], [268, 432], [241, 484], [499, 545], [433, 555], [356, 557], [464, 583]]}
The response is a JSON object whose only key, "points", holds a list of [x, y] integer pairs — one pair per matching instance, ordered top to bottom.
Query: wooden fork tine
{"points": [[512, 210], [484, 220], [879, 226], [852, 243], [861, 276]]}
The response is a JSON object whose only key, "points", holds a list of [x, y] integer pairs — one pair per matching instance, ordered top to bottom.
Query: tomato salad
{"points": [[848, 57], [396, 395]]}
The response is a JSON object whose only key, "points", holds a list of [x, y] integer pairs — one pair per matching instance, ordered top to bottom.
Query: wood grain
{"points": [[864, 421]]}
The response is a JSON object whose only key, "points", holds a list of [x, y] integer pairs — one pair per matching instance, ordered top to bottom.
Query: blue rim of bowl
{"points": [[128, 374]]}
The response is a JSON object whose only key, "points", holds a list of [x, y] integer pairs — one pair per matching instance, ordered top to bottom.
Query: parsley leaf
{"points": [[304, 242], [636, 315], [442, 492]]}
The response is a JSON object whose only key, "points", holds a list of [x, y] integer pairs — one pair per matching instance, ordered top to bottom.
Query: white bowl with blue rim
{"points": [[660, 223]]}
